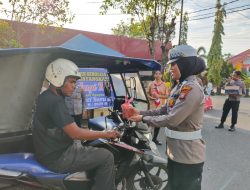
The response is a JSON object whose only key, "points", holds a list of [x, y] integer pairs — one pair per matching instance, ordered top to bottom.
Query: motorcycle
{"points": [[138, 162]]}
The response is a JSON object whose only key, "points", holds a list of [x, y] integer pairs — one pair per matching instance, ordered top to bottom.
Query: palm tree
{"points": [[201, 52]]}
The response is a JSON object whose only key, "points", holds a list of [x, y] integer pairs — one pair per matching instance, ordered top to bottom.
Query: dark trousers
{"points": [[234, 105], [78, 119], [156, 132], [79, 158], [184, 176]]}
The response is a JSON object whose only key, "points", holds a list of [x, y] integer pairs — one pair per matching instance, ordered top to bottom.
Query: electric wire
{"points": [[212, 7], [225, 10], [213, 15]]}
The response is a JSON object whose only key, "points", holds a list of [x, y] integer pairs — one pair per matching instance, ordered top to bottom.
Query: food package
{"points": [[127, 108]]}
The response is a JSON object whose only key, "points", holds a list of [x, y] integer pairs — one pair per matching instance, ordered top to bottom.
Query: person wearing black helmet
{"points": [[182, 118], [56, 136]]}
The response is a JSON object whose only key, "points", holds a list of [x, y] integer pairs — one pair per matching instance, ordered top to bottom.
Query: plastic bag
{"points": [[127, 108]]}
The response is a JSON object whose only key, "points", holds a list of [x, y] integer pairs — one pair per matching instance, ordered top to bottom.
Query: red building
{"points": [[32, 35], [241, 61]]}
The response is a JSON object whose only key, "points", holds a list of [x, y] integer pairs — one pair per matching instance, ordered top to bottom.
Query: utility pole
{"points": [[180, 22]]}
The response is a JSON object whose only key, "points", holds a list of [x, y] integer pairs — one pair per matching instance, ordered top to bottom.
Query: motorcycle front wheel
{"points": [[137, 179]]}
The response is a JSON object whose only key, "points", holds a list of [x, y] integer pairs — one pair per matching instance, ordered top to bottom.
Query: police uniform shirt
{"points": [[183, 112]]}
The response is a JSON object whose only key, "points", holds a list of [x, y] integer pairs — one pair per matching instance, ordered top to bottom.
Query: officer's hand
{"points": [[135, 118], [113, 134]]}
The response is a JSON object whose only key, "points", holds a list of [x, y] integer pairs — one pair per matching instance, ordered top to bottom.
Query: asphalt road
{"points": [[227, 165]]}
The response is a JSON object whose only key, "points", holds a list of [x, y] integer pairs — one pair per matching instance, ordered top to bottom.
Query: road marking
{"points": [[229, 180]]}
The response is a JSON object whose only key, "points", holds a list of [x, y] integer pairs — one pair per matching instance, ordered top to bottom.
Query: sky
{"points": [[200, 33]]}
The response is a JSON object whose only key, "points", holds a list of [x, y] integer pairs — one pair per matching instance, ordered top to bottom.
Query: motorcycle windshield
{"points": [[130, 84]]}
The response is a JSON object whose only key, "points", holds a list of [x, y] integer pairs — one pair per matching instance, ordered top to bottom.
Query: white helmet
{"points": [[181, 51], [59, 69]]}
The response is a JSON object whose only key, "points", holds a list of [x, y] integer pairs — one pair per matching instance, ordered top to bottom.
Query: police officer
{"points": [[233, 101], [182, 119], [56, 136]]}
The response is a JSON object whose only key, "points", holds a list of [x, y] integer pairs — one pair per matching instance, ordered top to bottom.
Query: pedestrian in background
{"points": [[209, 88], [158, 94], [233, 100], [76, 104], [182, 118]]}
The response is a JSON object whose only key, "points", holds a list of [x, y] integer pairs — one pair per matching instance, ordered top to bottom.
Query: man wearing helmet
{"points": [[182, 118], [56, 136]]}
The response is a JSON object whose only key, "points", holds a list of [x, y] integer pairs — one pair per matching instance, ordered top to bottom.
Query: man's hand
{"points": [[135, 118], [113, 134]]}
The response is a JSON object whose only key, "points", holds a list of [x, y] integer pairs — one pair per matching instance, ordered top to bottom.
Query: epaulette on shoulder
{"points": [[185, 89]]}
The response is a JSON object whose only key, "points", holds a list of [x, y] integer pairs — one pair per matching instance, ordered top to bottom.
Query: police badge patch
{"points": [[184, 92], [171, 102]]}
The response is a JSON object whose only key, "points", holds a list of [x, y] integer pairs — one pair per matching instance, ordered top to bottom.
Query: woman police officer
{"points": [[182, 118]]}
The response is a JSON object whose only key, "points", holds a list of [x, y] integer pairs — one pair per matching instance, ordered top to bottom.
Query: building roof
{"points": [[32, 35], [85, 44], [240, 58]]}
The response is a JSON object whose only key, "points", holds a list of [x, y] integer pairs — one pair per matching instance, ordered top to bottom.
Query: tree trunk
{"points": [[151, 49], [163, 55], [218, 91], [247, 92]]}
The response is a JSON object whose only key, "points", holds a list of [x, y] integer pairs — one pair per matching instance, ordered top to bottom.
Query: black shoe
{"points": [[220, 126], [232, 128], [157, 142]]}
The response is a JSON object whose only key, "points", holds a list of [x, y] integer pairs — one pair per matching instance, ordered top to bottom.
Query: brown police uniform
{"points": [[184, 113], [182, 118]]}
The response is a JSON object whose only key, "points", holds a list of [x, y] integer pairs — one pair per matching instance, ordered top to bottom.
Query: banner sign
{"points": [[92, 81]]}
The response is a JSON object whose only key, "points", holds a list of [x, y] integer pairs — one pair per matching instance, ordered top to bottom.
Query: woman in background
{"points": [[157, 93]]}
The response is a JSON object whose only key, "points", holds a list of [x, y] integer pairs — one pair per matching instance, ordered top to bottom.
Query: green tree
{"points": [[45, 12], [155, 17], [130, 29], [184, 29], [7, 36], [201, 51], [214, 58], [227, 67]]}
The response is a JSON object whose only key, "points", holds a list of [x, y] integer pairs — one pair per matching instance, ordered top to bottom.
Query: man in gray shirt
{"points": [[233, 101]]}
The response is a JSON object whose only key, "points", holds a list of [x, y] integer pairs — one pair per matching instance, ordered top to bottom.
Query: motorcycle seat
{"points": [[25, 162]]}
